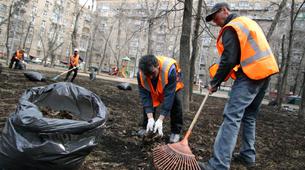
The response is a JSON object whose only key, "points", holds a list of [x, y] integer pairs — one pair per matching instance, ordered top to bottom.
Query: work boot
{"points": [[174, 138], [239, 159]]}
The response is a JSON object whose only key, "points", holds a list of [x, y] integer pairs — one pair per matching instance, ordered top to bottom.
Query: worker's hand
{"points": [[211, 89], [150, 124], [159, 127]]}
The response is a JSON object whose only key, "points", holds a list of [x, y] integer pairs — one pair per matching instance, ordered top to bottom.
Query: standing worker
{"points": [[245, 56], [17, 59], [74, 63], [159, 83]]}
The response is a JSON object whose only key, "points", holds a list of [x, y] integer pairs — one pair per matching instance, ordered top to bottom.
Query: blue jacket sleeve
{"points": [[169, 92], [145, 97]]}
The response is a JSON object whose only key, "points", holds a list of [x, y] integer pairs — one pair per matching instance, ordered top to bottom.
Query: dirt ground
{"points": [[280, 135]]}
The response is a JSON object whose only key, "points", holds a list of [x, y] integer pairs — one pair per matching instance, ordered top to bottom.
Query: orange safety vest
{"points": [[18, 55], [74, 60], [256, 60], [165, 64]]}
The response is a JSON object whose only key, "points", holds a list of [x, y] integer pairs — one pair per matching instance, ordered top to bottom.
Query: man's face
{"points": [[220, 17], [75, 52], [155, 73]]}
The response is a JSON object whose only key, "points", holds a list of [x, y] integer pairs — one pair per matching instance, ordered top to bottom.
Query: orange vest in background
{"points": [[18, 55], [256, 59], [74, 60], [165, 64]]}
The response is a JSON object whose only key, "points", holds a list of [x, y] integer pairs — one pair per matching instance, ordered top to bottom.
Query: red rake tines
{"points": [[178, 155], [175, 156]]}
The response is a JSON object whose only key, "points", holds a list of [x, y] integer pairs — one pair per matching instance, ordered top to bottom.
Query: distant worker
{"points": [[17, 59], [74, 64], [160, 83]]}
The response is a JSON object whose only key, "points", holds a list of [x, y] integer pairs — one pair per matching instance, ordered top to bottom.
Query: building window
{"points": [[243, 4], [3, 8], [43, 24], [39, 44]]}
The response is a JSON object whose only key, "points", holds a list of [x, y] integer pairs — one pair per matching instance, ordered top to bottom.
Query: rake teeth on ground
{"points": [[165, 158]]}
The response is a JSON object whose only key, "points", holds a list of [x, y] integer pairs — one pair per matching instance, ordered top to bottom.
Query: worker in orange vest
{"points": [[245, 56], [17, 59], [74, 62], [160, 83]]}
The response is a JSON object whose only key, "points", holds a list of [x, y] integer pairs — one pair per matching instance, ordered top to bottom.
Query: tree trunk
{"points": [[276, 19], [74, 33], [8, 34], [26, 35], [149, 37], [119, 41], [185, 43], [91, 47], [195, 47], [88, 50], [289, 50], [104, 53], [298, 73], [279, 97], [302, 105]]}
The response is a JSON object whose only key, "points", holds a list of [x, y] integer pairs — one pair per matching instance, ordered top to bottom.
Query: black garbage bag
{"points": [[34, 76], [124, 86], [31, 141]]}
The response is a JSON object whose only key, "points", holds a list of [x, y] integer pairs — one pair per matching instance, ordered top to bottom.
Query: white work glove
{"points": [[150, 124], [159, 127]]}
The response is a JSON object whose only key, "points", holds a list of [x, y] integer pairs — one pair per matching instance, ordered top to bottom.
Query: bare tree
{"points": [[15, 8], [293, 16], [276, 19], [76, 23], [29, 28], [8, 33], [93, 38], [50, 43], [195, 46], [105, 49], [185, 51], [300, 66], [280, 83], [302, 104]]}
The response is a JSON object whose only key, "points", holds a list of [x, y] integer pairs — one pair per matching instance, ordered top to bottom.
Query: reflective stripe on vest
{"points": [[259, 53], [165, 71], [144, 81]]}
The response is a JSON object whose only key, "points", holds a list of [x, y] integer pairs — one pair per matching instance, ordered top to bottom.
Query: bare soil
{"points": [[280, 140]]}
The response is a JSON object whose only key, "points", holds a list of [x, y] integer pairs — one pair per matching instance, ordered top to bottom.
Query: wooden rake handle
{"points": [[67, 71], [188, 133]]}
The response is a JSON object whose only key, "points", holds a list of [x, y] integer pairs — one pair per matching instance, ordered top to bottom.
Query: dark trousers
{"points": [[16, 62], [74, 75], [175, 115]]}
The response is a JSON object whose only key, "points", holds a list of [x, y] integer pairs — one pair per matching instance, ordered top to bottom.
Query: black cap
{"points": [[215, 9]]}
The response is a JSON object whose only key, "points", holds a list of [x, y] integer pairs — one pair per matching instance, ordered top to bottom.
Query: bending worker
{"points": [[245, 56], [17, 59], [160, 84]]}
